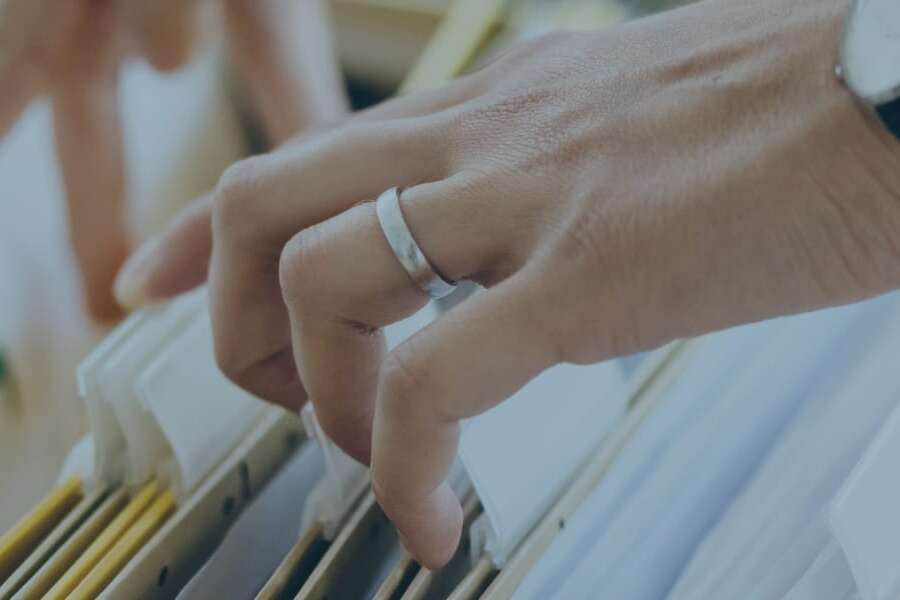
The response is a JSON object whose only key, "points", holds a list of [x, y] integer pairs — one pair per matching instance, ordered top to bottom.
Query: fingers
{"points": [[165, 30], [284, 52], [86, 116], [261, 203], [171, 263], [342, 283], [473, 358]]}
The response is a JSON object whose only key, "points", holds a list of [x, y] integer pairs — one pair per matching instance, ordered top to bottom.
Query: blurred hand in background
{"points": [[71, 52]]}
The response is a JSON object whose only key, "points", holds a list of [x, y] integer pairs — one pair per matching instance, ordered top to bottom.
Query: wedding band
{"points": [[405, 248]]}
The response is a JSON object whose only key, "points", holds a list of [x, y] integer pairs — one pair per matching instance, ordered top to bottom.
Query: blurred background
{"points": [[180, 130]]}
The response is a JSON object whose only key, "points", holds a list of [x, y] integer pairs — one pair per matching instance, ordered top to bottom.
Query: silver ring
{"points": [[405, 248]]}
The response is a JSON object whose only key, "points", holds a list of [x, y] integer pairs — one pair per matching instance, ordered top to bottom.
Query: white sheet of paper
{"points": [[521, 455], [864, 515], [776, 527], [632, 538], [828, 578]]}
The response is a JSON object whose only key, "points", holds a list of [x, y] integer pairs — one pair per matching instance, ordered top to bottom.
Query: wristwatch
{"points": [[870, 58]]}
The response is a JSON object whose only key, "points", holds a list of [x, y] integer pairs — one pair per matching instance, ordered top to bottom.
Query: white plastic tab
{"points": [[158, 404], [200, 414], [109, 440], [145, 444], [522, 454], [79, 462], [343, 481], [865, 516], [827, 578]]}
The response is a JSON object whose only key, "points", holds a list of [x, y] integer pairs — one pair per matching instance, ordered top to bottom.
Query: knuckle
{"points": [[420, 141], [234, 199], [585, 238], [594, 244], [301, 263], [228, 357], [402, 385], [351, 432], [385, 494]]}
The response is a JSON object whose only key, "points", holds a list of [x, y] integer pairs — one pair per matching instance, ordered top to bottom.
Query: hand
{"points": [[71, 52], [612, 191]]}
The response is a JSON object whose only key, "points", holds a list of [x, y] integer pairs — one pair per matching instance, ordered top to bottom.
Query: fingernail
{"points": [[131, 282]]}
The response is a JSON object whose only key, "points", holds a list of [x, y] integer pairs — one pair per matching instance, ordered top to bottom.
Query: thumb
{"points": [[171, 263], [473, 358]]}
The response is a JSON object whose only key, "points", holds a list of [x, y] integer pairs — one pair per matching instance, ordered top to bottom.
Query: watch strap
{"points": [[889, 113]]}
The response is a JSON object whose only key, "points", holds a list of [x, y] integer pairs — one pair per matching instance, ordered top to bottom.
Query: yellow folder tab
{"points": [[18, 542], [104, 542], [50, 544], [73, 548], [125, 549]]}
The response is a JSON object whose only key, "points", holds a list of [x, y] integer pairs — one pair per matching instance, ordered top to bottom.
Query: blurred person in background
{"points": [[71, 53]]}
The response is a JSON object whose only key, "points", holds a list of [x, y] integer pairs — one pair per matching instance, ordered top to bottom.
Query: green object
{"points": [[4, 374], [9, 395]]}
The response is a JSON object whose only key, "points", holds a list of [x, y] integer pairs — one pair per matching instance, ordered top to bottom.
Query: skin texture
{"points": [[71, 50], [612, 191]]}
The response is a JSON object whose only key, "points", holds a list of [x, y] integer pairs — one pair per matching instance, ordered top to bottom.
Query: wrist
{"points": [[868, 71], [863, 153], [844, 169], [865, 183]]}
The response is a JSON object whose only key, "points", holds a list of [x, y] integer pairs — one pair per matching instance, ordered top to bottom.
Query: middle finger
{"points": [[342, 284]]}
